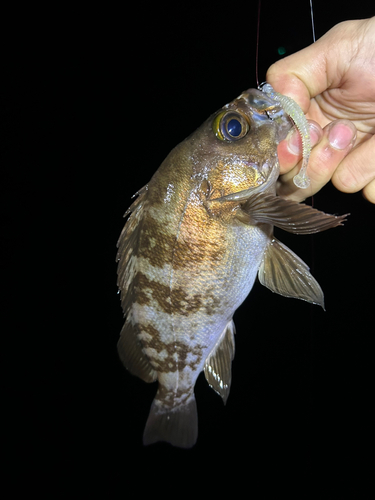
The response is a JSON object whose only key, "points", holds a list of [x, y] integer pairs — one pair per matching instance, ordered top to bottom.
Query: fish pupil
{"points": [[234, 127]]}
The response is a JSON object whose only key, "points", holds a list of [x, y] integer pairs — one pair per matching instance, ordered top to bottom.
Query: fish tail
{"points": [[177, 425]]}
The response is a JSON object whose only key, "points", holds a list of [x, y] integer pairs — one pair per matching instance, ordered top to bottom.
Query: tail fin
{"points": [[178, 426]]}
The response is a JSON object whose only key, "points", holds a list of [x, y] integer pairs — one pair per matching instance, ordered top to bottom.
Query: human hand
{"points": [[333, 80]]}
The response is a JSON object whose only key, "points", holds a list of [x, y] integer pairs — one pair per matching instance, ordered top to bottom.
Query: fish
{"points": [[196, 238]]}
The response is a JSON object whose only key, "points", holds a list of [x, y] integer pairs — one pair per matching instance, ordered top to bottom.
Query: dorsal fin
{"points": [[127, 246], [129, 347]]}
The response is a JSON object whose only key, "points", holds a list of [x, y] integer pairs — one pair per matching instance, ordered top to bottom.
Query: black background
{"points": [[92, 100]]}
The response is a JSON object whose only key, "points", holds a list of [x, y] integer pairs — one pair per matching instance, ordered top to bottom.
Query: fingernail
{"points": [[316, 133], [341, 134], [295, 142]]}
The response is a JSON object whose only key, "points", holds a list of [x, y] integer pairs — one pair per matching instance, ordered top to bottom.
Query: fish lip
{"points": [[250, 96], [260, 108]]}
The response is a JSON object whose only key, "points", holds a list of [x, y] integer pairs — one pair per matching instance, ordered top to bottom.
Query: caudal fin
{"points": [[177, 426]]}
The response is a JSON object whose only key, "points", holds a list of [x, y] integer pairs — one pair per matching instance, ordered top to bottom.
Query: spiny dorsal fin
{"points": [[128, 246], [283, 272], [129, 346], [218, 365]]}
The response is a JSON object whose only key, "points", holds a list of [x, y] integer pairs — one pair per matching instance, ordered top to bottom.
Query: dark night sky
{"points": [[91, 103]]}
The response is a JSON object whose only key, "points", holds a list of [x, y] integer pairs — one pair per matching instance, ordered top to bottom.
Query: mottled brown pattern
{"points": [[201, 240], [157, 243], [178, 249], [140, 284], [146, 289], [176, 301], [150, 329], [169, 357], [169, 398]]}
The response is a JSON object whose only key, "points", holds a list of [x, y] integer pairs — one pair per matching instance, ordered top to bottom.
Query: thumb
{"points": [[312, 70]]}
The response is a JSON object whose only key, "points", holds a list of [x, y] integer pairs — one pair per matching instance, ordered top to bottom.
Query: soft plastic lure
{"points": [[292, 109]]}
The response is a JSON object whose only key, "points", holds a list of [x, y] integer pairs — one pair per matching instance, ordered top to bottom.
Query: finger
{"points": [[319, 66], [302, 75], [338, 140], [289, 150], [357, 170], [369, 192]]}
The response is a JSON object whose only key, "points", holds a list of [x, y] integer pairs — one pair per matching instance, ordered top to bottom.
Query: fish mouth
{"points": [[257, 99], [263, 108]]}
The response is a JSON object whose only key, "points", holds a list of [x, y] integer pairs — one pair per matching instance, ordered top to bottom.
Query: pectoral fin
{"points": [[288, 215], [283, 272], [218, 366]]}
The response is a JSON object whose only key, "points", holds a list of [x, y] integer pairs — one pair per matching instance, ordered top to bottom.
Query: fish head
{"points": [[236, 148]]}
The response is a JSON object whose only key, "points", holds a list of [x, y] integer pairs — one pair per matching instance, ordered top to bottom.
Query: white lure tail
{"points": [[292, 109]]}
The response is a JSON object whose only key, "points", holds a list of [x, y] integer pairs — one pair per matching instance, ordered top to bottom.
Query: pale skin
{"points": [[333, 80]]}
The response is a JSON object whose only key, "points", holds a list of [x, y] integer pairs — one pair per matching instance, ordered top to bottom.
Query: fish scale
{"points": [[197, 237]]}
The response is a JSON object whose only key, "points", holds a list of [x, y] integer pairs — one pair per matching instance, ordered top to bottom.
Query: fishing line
{"points": [[312, 20], [313, 35], [257, 46], [312, 307], [311, 353]]}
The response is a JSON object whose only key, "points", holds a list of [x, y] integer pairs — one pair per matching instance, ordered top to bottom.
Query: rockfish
{"points": [[198, 235]]}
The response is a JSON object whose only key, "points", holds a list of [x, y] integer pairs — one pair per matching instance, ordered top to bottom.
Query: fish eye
{"points": [[230, 126], [234, 127]]}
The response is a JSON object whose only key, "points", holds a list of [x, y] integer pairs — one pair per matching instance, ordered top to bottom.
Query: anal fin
{"points": [[283, 272], [218, 365]]}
